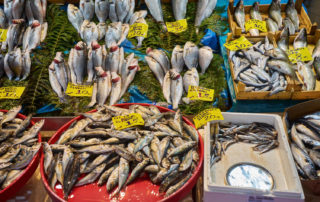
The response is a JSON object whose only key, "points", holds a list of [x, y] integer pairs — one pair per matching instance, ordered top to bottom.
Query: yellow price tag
{"points": [[256, 24], [177, 26], [138, 29], [3, 35], [238, 44], [301, 54], [79, 90], [11, 92], [200, 93], [206, 116], [127, 121]]}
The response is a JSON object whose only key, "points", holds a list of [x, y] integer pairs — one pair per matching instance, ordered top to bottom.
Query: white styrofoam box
{"points": [[279, 162]]}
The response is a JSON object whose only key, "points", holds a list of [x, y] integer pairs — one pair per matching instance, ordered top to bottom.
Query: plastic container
{"points": [[279, 162], [14, 187], [140, 190]]}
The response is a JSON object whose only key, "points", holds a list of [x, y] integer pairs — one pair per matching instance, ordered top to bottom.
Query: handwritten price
{"points": [[256, 24], [177, 26], [138, 30], [238, 44], [301, 54], [79, 90], [11, 92], [200, 93], [206, 116], [127, 121]]}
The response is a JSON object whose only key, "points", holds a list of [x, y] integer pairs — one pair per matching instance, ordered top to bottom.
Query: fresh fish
{"points": [[132, 4], [7, 8], [17, 8], [87, 8], [179, 8], [122, 9], [155, 9], [102, 10], [204, 10], [38, 11], [112, 11], [275, 12], [292, 13], [136, 15], [240, 15], [75, 17], [3, 20], [288, 24], [272, 26], [102, 28], [89, 32], [124, 33], [113, 34], [13, 35], [140, 38], [301, 40], [283, 42], [316, 50], [191, 55], [161, 57], [205, 58], [177, 60], [77, 63], [26, 64], [316, 64], [282, 66], [133, 68], [155, 68], [60, 70], [307, 75], [55, 85], [166, 87], [115, 88], [176, 88], [10, 115], [305, 130], [31, 133], [70, 134], [163, 146], [182, 149], [10, 155], [315, 156], [48, 157], [24, 158], [187, 161], [96, 162], [137, 171], [123, 174], [12, 175], [105, 175], [72, 176], [92, 176], [113, 179], [177, 186]]}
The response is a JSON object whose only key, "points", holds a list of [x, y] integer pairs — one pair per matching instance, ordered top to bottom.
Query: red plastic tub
{"points": [[14, 187], [141, 190]]}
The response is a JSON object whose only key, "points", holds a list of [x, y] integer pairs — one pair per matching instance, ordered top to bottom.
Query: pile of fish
{"points": [[179, 7], [25, 21], [275, 22], [262, 67], [109, 71], [173, 85], [223, 135], [18, 145], [305, 145], [165, 148]]}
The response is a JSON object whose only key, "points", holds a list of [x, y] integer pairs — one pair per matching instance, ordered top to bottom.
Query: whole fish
{"points": [[132, 4], [7, 8], [17, 8], [87, 8], [101, 8], [179, 8], [122, 9], [155, 9], [38, 10], [204, 10], [112, 11], [29, 12], [275, 12], [292, 13], [138, 14], [255, 14], [240, 15], [75, 17], [3, 20], [288, 24], [272, 26], [102, 28], [89, 32], [113, 33], [124, 33], [13, 35], [32, 36], [140, 38], [301, 39], [283, 42], [316, 50], [191, 55], [161, 57], [114, 58], [205, 58], [177, 60], [77, 62], [13, 64], [26, 64], [316, 65], [90, 66], [282, 66], [133, 68], [155, 68], [61, 70], [307, 75], [190, 78], [55, 85], [103, 86], [166, 87], [176, 87], [115, 89], [10, 115], [31, 133], [24, 158], [137, 171], [123, 174], [11, 176], [72, 176], [92, 176], [113, 179], [175, 187]]}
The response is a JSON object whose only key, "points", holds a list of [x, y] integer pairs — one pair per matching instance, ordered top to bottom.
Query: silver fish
{"points": [[132, 4], [17, 8], [179, 8], [87, 9], [122, 9], [155, 9], [8, 10], [101, 10], [204, 10], [38, 11], [112, 11], [29, 12], [275, 12], [292, 13], [136, 15], [240, 15], [75, 16], [3, 20], [288, 24], [272, 26], [102, 28], [89, 32], [113, 33], [124, 33], [140, 38], [301, 40], [283, 42], [316, 50], [191, 55], [161, 57], [205, 57], [114, 58], [177, 60], [77, 63], [13, 64], [26, 64], [316, 65], [282, 66], [133, 68], [155, 68], [61, 70], [307, 75], [190, 78], [55, 85], [103, 86], [166, 87], [176, 87], [116, 88], [31, 133], [137, 170], [123, 174], [12, 175], [92, 176], [113, 179]]}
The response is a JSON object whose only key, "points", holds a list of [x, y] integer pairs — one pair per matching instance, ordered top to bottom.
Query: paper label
{"points": [[256, 24], [177, 26], [138, 29], [3, 35], [238, 44], [301, 54], [79, 90], [11, 92], [200, 93], [206, 116], [127, 121]]}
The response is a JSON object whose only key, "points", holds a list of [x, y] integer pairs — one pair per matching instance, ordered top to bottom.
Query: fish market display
{"points": [[155, 9], [204, 10], [25, 21], [275, 22], [262, 67], [107, 69], [169, 76], [262, 136], [305, 144], [19, 145], [165, 148]]}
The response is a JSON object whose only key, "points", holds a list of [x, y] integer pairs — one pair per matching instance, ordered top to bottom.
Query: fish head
{"points": [[240, 4], [256, 6], [18, 21], [302, 34], [80, 45], [95, 45], [114, 48], [149, 50], [59, 58], [134, 65], [101, 72], [174, 75], [115, 77], [39, 124]]}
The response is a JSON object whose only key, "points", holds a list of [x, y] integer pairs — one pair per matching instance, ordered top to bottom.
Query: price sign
{"points": [[256, 24], [177, 26], [138, 29], [3, 35], [238, 44], [301, 54], [79, 90], [11, 92], [200, 93], [206, 116], [127, 121]]}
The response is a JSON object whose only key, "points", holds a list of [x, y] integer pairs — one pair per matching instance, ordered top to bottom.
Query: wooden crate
{"points": [[305, 21], [239, 87], [299, 94]]}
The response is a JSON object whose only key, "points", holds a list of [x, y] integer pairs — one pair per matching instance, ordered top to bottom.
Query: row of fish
{"points": [[179, 7], [275, 22], [110, 73], [168, 75], [223, 135], [18, 145], [305, 145], [165, 148]]}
